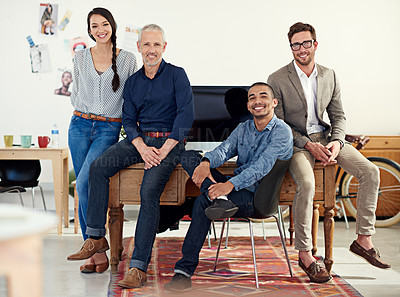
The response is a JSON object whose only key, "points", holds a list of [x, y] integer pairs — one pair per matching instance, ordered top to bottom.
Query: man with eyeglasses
{"points": [[305, 90]]}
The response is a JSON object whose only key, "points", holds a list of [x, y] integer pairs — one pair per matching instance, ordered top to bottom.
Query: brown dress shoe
{"points": [[89, 248], [372, 255], [102, 266], [88, 268], [316, 272], [134, 278]]}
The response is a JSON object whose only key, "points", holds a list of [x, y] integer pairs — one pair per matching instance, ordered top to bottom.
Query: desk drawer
{"points": [[130, 181]]}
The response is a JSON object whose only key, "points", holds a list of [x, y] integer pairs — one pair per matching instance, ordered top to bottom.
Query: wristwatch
{"points": [[341, 142], [205, 159]]}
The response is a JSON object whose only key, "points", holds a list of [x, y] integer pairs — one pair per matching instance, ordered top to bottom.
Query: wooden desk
{"points": [[59, 159], [125, 186]]}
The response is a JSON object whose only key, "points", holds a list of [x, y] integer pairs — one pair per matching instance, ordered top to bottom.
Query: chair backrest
{"points": [[19, 170], [266, 199]]}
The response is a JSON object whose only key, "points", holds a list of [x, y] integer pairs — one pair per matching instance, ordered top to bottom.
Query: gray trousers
{"points": [[351, 160]]}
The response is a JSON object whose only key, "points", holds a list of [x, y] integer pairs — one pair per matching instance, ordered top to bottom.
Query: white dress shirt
{"points": [[309, 85]]}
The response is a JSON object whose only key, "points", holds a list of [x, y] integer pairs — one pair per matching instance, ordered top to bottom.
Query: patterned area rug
{"points": [[235, 272]]}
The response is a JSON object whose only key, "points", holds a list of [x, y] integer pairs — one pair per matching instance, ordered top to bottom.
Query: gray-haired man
{"points": [[157, 115]]}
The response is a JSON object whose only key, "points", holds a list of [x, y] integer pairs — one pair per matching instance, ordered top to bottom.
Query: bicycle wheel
{"points": [[388, 207]]}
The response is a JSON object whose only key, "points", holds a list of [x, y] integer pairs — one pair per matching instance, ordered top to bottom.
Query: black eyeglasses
{"points": [[306, 44]]}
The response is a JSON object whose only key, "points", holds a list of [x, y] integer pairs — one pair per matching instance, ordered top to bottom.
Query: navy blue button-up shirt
{"points": [[161, 104], [256, 151]]}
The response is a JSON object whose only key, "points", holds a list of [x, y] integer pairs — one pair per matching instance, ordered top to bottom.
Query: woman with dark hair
{"points": [[99, 74]]}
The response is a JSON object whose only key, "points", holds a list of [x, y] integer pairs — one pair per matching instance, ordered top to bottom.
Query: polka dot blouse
{"points": [[92, 92]]}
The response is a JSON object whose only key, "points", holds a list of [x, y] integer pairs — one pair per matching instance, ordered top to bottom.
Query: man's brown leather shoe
{"points": [[89, 248], [372, 255], [88, 268], [99, 268], [316, 272], [134, 278]]}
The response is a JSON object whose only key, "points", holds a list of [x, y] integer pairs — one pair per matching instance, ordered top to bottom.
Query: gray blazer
{"points": [[292, 104]]}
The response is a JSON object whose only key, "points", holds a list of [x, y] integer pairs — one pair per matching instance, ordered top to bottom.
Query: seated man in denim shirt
{"points": [[157, 115], [257, 143]]}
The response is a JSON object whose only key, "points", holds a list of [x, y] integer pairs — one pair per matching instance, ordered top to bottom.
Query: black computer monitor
{"points": [[218, 110]]}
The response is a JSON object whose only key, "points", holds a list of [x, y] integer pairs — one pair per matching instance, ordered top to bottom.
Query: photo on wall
{"points": [[48, 15], [65, 20], [131, 38], [130, 41], [77, 44], [40, 58], [65, 80]]}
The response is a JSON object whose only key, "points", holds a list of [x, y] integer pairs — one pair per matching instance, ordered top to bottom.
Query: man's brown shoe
{"points": [[89, 248], [372, 255], [88, 268], [99, 268], [316, 272], [134, 278]]}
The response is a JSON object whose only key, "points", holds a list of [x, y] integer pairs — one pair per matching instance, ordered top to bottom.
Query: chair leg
{"points": [[19, 193], [20, 198], [33, 198], [44, 203], [344, 214], [281, 220], [209, 233], [215, 233], [227, 233], [208, 238], [219, 245], [284, 245], [254, 252]]}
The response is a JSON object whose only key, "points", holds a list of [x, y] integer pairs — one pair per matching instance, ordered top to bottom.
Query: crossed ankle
{"points": [[223, 197], [178, 271]]}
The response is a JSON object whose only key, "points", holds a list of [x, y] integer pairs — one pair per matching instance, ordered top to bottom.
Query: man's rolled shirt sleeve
{"points": [[226, 150]]}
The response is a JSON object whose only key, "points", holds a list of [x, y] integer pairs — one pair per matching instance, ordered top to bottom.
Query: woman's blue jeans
{"points": [[88, 139], [116, 158], [200, 224]]}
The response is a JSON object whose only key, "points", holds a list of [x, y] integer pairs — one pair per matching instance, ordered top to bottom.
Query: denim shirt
{"points": [[161, 104], [256, 151]]}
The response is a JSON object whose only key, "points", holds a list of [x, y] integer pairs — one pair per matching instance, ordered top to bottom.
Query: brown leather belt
{"points": [[96, 117], [157, 134]]}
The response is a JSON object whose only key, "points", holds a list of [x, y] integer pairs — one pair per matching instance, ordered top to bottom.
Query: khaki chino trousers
{"points": [[353, 162]]}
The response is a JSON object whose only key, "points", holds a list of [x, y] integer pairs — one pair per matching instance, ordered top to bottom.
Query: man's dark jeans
{"points": [[116, 158], [200, 224]]}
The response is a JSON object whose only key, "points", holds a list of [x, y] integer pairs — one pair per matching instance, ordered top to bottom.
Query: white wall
{"points": [[218, 43]]}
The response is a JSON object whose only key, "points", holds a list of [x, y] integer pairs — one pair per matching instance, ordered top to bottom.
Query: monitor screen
{"points": [[218, 110]]}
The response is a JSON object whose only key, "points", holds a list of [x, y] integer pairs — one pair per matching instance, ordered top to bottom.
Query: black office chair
{"points": [[21, 173], [19, 190], [266, 204]]}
